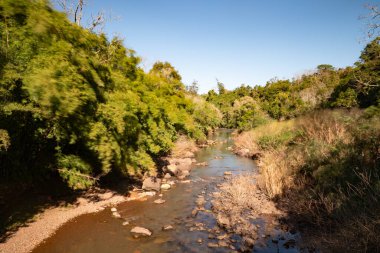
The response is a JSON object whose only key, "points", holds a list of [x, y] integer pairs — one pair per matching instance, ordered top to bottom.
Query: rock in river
{"points": [[172, 168], [183, 174], [151, 184], [165, 186], [159, 201], [116, 215], [167, 227], [140, 231], [212, 245]]}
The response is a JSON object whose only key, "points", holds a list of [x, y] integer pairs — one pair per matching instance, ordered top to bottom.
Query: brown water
{"points": [[100, 232]]}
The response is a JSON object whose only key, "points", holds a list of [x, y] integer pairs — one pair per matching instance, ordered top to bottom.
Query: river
{"points": [[100, 232]]}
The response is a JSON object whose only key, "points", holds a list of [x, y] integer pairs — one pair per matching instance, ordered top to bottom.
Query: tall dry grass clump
{"points": [[184, 147], [277, 170], [239, 190]]}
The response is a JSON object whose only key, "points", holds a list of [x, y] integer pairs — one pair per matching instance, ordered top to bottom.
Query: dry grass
{"points": [[327, 126], [250, 139], [246, 140], [183, 147], [279, 164], [324, 166], [239, 190]]}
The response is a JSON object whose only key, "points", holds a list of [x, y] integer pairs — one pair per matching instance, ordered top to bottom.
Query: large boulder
{"points": [[151, 184]]}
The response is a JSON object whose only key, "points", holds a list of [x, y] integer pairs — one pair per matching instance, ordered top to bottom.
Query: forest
{"points": [[77, 107]]}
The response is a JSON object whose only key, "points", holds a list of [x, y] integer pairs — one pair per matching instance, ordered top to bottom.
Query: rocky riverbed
{"points": [[201, 212]]}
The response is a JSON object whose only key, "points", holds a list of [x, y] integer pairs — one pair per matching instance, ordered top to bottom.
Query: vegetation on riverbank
{"points": [[76, 104], [321, 163], [324, 170]]}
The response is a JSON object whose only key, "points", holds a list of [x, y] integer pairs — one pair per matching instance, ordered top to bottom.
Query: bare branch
{"points": [[74, 10], [78, 12], [373, 20], [98, 21]]}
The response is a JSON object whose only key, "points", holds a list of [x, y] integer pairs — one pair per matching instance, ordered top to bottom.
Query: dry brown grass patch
{"points": [[183, 146]]}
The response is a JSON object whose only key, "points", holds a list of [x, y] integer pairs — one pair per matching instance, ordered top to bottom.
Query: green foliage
{"points": [[325, 67], [165, 70], [351, 87], [347, 99], [74, 102], [207, 116], [5, 141], [270, 141], [75, 172]]}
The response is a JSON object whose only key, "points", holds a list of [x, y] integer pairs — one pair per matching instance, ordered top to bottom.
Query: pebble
{"points": [[165, 186], [159, 201], [113, 209], [116, 215], [125, 223], [167, 227], [140, 231], [221, 237], [223, 244], [212, 245]]}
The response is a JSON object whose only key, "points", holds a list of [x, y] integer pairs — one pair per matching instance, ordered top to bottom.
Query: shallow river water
{"points": [[100, 232]]}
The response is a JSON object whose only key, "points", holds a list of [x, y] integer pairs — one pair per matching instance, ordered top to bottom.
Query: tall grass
{"points": [[265, 136], [184, 147], [324, 168]]}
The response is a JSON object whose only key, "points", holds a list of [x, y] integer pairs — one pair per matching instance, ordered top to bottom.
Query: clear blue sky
{"points": [[239, 41]]}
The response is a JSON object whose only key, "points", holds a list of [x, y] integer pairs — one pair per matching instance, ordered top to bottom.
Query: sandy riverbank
{"points": [[26, 238]]}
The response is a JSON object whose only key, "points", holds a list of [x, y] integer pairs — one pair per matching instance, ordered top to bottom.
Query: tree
{"points": [[325, 67], [166, 70], [193, 88], [221, 89]]}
